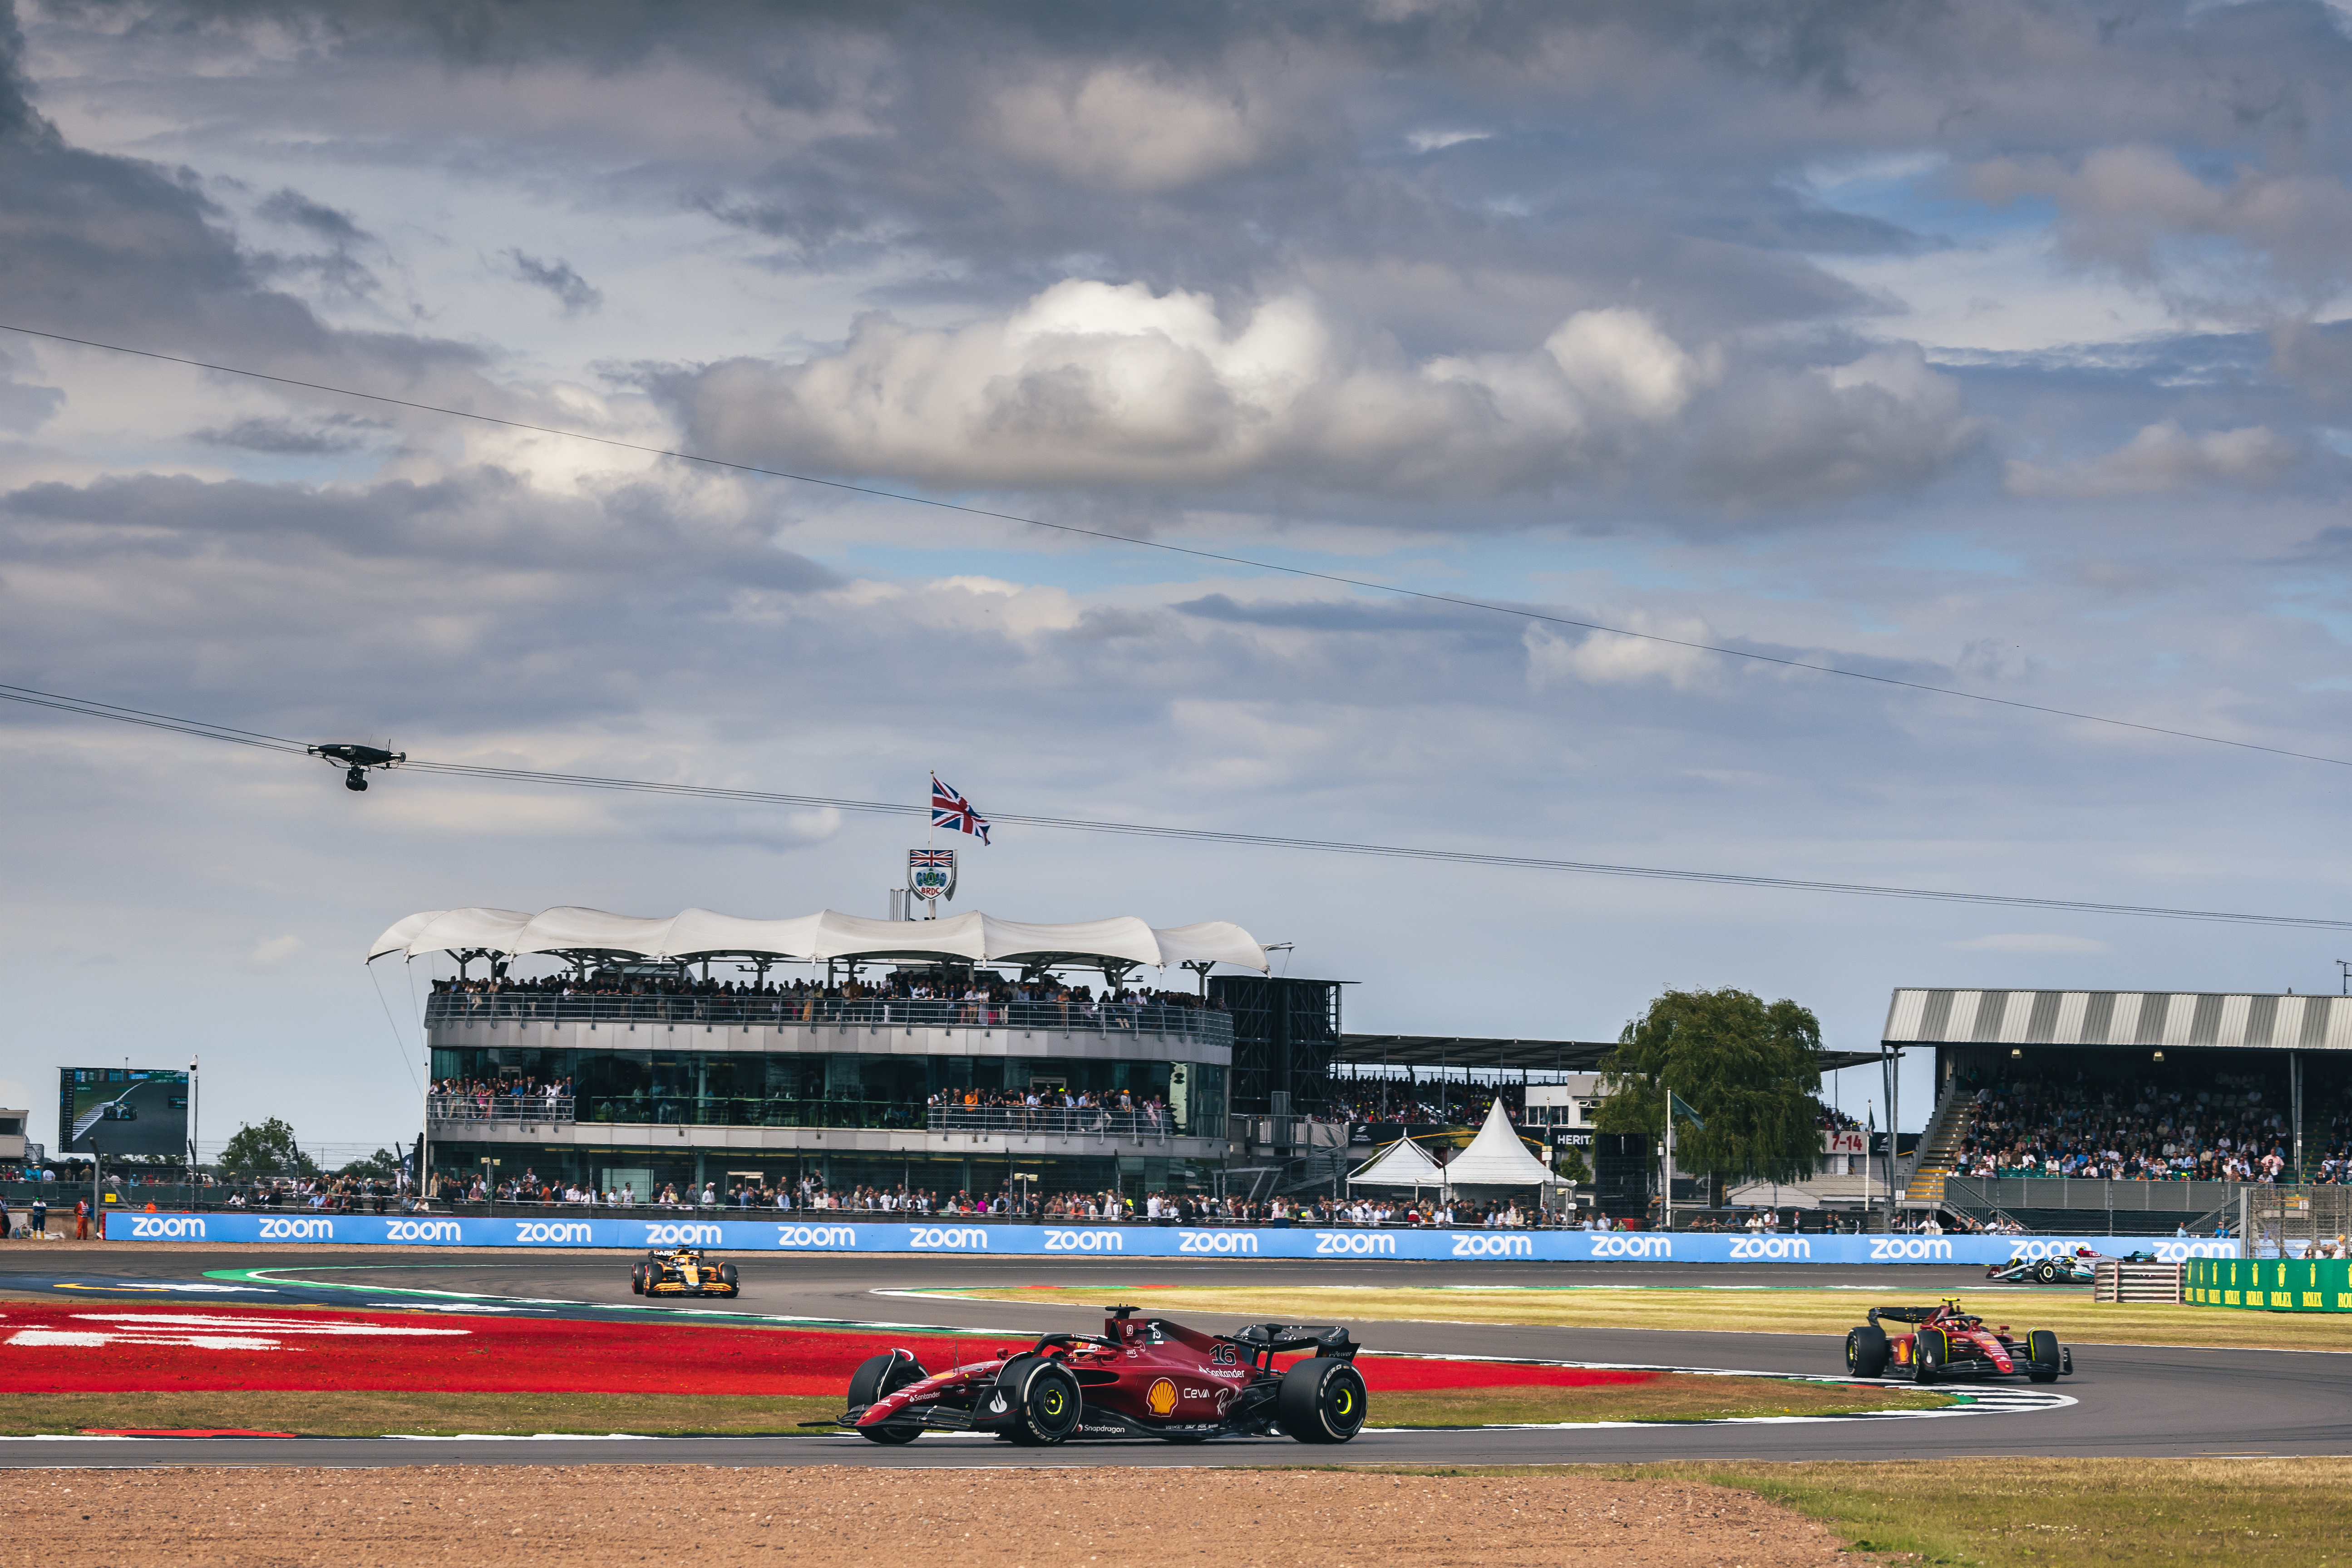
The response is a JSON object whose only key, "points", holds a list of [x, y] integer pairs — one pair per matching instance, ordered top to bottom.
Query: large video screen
{"points": [[122, 1111]]}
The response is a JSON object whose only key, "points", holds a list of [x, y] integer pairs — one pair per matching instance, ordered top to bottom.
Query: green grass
{"points": [[2044, 1513]]}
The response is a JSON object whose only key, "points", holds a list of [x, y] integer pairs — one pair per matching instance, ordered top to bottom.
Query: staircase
{"points": [[1925, 1188]]}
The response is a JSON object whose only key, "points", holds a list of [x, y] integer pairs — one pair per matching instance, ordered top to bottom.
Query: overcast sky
{"points": [[1996, 346]]}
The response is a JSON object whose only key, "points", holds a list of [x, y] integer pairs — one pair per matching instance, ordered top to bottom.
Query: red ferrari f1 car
{"points": [[1944, 1341], [1141, 1377]]}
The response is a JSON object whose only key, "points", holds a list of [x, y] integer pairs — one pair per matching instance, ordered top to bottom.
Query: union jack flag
{"points": [[951, 810], [931, 859]]}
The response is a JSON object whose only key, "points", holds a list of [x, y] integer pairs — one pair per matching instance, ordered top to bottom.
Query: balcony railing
{"points": [[1207, 1026], [498, 1107], [453, 1113], [1055, 1121]]}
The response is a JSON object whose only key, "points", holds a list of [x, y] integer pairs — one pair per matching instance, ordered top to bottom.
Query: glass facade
{"points": [[817, 1089]]}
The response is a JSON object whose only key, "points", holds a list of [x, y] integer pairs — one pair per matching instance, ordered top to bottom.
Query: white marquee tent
{"points": [[973, 938], [1496, 1158], [1403, 1163]]}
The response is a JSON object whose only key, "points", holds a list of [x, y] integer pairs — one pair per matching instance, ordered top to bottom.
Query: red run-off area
{"points": [[104, 1348]]}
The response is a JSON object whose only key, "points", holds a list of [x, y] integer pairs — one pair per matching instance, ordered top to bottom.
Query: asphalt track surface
{"points": [[2124, 1400]]}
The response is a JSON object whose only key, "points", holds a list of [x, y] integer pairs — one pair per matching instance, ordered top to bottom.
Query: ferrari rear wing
{"points": [[1905, 1314], [1324, 1339]]}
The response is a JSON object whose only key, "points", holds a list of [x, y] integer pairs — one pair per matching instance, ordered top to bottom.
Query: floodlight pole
{"points": [[1666, 1178]]}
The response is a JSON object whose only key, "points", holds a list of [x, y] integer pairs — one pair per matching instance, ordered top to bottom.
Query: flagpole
{"points": [[1667, 1181]]}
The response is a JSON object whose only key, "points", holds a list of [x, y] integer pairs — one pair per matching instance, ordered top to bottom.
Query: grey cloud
{"points": [[292, 207], [2142, 211], [574, 292], [24, 408], [287, 438], [1778, 439], [2161, 458], [481, 519], [1341, 615]]}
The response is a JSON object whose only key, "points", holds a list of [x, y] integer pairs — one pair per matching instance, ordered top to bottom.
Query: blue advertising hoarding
{"points": [[805, 1232]]}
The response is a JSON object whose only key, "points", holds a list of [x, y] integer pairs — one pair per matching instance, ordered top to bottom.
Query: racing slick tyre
{"points": [[2046, 1272], [727, 1275], [637, 1280], [1866, 1351], [1929, 1352], [2042, 1358], [878, 1377], [1044, 1400], [1322, 1400]]}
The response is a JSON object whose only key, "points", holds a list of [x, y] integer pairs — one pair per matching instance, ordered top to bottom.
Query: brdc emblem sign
{"points": [[931, 873]]}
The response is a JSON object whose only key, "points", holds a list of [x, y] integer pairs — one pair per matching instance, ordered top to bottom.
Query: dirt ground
{"points": [[427, 1518]]}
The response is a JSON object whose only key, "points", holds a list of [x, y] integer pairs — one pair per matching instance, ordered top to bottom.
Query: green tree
{"points": [[1750, 1070], [269, 1149], [383, 1164]]}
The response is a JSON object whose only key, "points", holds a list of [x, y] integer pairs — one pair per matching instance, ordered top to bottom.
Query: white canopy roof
{"points": [[975, 937], [1496, 1158], [1403, 1163]]}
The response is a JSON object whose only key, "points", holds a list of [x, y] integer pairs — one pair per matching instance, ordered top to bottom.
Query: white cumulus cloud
{"points": [[1100, 383], [1611, 658]]}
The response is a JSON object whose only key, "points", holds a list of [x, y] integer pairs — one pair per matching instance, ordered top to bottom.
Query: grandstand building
{"points": [[705, 1049], [2157, 1108]]}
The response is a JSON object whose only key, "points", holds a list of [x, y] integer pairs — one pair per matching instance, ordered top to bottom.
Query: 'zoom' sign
{"points": [[950, 1239]]}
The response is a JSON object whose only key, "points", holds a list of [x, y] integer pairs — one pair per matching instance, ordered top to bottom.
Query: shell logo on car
{"points": [[1161, 1397]]}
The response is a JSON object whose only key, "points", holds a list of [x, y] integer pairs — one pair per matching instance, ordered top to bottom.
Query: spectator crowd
{"points": [[977, 997], [2236, 1129]]}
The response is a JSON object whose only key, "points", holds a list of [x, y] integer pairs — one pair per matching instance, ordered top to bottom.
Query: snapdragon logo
{"points": [[162, 1226], [298, 1230], [424, 1230], [561, 1233], [815, 1235], [682, 1236], [1085, 1241], [1225, 1241], [1353, 1244], [1475, 1244], [1621, 1244], [1759, 1248], [1919, 1249]]}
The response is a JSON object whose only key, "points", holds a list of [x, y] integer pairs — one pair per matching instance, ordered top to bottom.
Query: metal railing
{"points": [[1208, 1026], [492, 1107], [453, 1114], [1146, 1126], [2086, 1192]]}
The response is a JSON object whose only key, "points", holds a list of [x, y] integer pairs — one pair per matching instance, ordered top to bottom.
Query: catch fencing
{"points": [[2286, 1222]]}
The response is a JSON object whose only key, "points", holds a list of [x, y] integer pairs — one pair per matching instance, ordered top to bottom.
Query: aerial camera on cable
{"points": [[356, 760]]}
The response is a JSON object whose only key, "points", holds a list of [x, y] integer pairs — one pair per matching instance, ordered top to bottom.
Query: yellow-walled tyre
{"points": [[1929, 1352], [1322, 1400]]}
